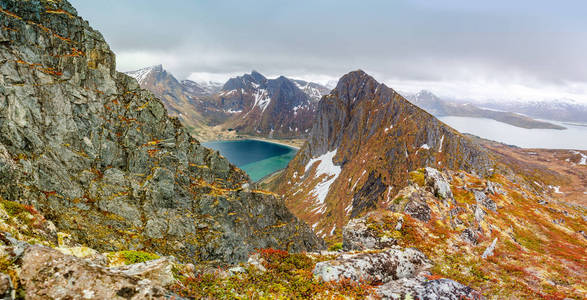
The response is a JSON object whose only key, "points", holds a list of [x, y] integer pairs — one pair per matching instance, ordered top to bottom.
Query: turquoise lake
{"points": [[257, 158]]}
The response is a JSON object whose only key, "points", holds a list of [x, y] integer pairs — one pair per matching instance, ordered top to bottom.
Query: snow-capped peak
{"points": [[141, 75]]}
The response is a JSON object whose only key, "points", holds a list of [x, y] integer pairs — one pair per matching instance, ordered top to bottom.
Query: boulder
{"points": [[439, 183], [482, 199], [358, 235], [489, 251], [373, 267], [158, 271], [49, 274], [6, 287], [423, 289]]}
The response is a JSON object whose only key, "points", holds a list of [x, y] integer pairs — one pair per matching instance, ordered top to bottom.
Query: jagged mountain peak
{"points": [[142, 74], [258, 77], [355, 86], [367, 137]]}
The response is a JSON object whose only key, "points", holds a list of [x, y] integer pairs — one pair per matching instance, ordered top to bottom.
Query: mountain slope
{"points": [[314, 90], [186, 100], [267, 107], [440, 107], [364, 141], [100, 158], [506, 221]]}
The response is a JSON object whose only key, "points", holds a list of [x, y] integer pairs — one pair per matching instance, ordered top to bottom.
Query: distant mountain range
{"points": [[182, 99], [248, 104], [280, 107], [441, 107], [557, 110]]}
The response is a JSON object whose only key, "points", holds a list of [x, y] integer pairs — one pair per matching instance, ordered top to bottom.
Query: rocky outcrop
{"points": [[374, 137], [100, 158], [440, 184], [365, 233], [373, 267], [47, 273], [398, 274], [422, 288]]}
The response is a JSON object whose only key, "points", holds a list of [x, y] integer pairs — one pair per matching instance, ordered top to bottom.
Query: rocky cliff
{"points": [[364, 141], [99, 156]]}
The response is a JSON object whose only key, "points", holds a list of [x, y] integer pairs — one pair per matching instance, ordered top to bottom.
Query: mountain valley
{"points": [[108, 191]]}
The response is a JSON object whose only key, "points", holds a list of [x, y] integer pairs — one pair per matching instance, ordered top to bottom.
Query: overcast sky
{"points": [[499, 49]]}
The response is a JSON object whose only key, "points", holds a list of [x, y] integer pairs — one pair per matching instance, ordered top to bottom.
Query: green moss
{"points": [[418, 177], [398, 200], [13, 208], [530, 242], [335, 247], [134, 257]]}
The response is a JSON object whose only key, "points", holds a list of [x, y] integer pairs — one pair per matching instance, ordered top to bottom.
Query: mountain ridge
{"points": [[367, 137], [100, 157]]}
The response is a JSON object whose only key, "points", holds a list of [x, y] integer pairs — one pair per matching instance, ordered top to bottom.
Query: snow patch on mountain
{"points": [[140, 75], [262, 99], [583, 160], [325, 167]]}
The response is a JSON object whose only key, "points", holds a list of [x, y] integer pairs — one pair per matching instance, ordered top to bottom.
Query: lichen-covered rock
{"points": [[100, 158], [440, 184], [494, 188], [482, 199], [413, 201], [361, 234], [470, 236], [489, 251], [384, 266], [158, 271], [47, 273], [6, 287], [421, 288]]}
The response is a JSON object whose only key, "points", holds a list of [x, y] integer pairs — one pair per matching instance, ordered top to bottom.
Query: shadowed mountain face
{"points": [[250, 104], [268, 107], [439, 107], [364, 141], [99, 156]]}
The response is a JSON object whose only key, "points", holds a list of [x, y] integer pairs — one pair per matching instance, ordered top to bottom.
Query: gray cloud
{"points": [[453, 43]]}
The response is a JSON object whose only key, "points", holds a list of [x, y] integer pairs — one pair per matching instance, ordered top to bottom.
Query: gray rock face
{"points": [[100, 157], [440, 185], [482, 199], [356, 235], [489, 251], [391, 264], [158, 271], [47, 273], [6, 287], [423, 289]]}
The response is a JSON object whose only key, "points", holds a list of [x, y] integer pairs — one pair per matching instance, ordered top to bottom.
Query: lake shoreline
{"points": [[292, 144], [257, 157]]}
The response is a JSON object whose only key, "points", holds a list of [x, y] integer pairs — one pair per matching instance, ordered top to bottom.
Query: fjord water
{"points": [[574, 137], [257, 158]]}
